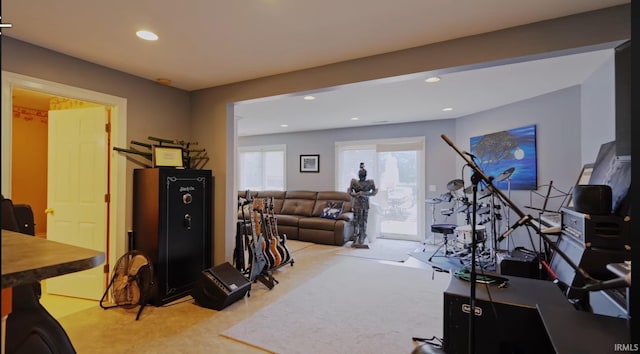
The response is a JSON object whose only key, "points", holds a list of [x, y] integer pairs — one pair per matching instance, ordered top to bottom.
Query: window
{"points": [[261, 168], [397, 168]]}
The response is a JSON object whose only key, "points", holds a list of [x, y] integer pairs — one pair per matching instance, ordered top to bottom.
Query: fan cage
{"points": [[131, 281]]}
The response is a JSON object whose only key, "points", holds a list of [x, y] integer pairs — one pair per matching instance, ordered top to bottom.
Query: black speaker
{"points": [[592, 198], [520, 263], [220, 286], [506, 319]]}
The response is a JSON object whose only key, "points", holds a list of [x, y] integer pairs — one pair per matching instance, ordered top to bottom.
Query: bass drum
{"points": [[463, 234]]}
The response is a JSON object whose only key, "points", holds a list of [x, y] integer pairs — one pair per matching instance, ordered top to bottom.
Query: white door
{"points": [[396, 166], [77, 185]]}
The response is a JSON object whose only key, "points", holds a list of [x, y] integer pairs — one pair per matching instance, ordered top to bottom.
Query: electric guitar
{"points": [[257, 225], [272, 241], [256, 245], [282, 248], [258, 262]]}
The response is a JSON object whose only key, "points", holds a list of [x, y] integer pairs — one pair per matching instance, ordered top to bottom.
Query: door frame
{"points": [[117, 175]]}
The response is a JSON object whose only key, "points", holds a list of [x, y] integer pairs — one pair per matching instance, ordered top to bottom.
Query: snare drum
{"points": [[463, 233]]}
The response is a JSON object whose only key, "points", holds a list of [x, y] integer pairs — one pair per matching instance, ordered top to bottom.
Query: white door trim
{"points": [[10, 80]]}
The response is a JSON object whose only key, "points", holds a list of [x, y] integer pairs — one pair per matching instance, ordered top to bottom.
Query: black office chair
{"points": [[9, 221], [30, 328]]}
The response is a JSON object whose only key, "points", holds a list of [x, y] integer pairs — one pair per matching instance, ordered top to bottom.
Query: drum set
{"points": [[457, 237]]}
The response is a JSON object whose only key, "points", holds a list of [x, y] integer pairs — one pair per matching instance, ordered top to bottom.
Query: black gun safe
{"points": [[172, 225]]}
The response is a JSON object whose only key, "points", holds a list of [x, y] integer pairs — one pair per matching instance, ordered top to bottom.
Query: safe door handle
{"points": [[187, 221]]}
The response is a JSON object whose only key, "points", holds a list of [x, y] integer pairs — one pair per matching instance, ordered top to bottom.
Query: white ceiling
{"points": [[206, 43], [410, 98]]}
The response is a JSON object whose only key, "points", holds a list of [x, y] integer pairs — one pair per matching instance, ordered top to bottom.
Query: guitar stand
{"points": [[266, 278]]}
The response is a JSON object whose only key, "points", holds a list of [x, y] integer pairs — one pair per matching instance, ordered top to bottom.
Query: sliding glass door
{"points": [[397, 168]]}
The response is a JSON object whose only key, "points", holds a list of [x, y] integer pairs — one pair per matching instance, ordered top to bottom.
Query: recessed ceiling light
{"points": [[147, 35], [432, 79], [164, 81], [309, 98], [447, 109], [355, 118], [284, 125]]}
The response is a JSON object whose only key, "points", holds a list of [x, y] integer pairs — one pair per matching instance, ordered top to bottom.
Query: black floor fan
{"points": [[131, 282]]}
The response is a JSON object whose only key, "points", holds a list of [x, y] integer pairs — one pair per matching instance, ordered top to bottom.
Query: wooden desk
{"points": [[27, 259], [573, 331]]}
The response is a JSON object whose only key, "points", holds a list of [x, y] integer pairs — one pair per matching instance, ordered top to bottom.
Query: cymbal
{"points": [[506, 174], [455, 184], [434, 200]]}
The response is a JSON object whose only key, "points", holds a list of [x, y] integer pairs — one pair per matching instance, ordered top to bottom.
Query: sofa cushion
{"points": [[332, 196], [278, 199], [299, 203], [332, 210], [288, 220], [315, 223]]}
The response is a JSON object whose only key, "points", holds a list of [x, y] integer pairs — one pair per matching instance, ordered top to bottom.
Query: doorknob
{"points": [[48, 211]]}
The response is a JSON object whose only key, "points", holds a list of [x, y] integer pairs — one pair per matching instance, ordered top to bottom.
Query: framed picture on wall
{"points": [[510, 153], [310, 163]]}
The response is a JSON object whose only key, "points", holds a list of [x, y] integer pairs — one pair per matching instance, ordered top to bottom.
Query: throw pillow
{"points": [[332, 210]]}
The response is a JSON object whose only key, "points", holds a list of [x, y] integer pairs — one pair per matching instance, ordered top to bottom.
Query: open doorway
{"points": [[25, 158]]}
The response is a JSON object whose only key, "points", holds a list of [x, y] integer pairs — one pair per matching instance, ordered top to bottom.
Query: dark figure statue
{"points": [[360, 190]]}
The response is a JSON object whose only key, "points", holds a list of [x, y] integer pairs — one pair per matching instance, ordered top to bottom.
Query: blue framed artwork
{"points": [[509, 156]]}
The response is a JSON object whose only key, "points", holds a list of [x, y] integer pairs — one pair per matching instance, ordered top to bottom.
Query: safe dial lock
{"points": [[187, 198]]}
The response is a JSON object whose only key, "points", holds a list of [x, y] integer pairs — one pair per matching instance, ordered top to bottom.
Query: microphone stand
{"points": [[524, 219], [472, 296]]}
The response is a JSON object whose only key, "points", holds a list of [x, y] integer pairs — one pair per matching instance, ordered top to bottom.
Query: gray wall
{"points": [[597, 107], [205, 115], [323, 142]]}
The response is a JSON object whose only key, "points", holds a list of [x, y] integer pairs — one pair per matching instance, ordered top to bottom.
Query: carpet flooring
{"points": [[382, 249], [438, 261], [357, 305], [185, 327]]}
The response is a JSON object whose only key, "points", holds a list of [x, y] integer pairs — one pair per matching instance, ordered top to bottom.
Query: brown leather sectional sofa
{"points": [[299, 215]]}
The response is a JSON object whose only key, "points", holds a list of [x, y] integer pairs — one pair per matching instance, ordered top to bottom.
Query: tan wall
{"points": [[29, 163]]}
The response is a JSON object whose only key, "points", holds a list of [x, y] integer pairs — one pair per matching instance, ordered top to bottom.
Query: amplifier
{"points": [[599, 231], [592, 260], [520, 263], [220, 286], [506, 319]]}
